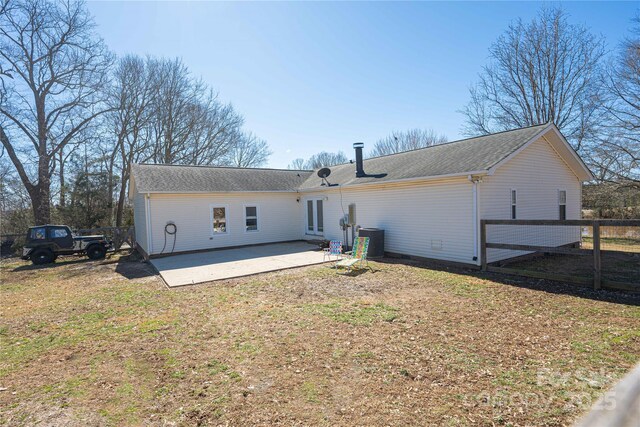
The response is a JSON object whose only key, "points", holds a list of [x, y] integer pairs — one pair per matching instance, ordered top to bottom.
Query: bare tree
{"points": [[58, 69], [543, 71], [132, 97], [174, 118], [191, 126], [86, 136], [407, 140], [249, 151], [618, 154], [62, 159], [325, 159], [319, 160], [297, 164], [611, 200], [14, 201]]}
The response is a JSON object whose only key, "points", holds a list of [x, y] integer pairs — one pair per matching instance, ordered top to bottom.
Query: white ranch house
{"points": [[429, 201]]}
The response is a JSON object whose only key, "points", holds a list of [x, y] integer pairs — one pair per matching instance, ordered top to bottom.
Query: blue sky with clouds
{"points": [[310, 77]]}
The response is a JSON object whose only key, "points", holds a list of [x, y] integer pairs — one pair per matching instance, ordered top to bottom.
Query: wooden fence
{"points": [[586, 243]]}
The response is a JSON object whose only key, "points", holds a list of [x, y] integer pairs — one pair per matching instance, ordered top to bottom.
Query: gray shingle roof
{"points": [[467, 155], [458, 157], [185, 179]]}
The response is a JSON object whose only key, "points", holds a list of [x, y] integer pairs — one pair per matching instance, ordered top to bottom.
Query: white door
{"points": [[315, 217]]}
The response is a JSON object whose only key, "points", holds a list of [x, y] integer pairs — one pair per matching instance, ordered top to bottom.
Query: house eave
{"points": [[531, 140], [579, 169], [587, 174], [395, 181], [217, 192]]}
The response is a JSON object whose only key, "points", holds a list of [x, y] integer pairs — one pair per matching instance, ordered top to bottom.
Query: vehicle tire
{"points": [[96, 252], [42, 256]]}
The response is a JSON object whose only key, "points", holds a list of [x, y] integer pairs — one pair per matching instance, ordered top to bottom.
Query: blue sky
{"points": [[312, 77]]}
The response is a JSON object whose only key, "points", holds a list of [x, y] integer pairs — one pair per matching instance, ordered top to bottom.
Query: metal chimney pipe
{"points": [[359, 167]]}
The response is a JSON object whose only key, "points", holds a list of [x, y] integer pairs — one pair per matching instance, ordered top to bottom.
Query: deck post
{"points": [[483, 244], [597, 261]]}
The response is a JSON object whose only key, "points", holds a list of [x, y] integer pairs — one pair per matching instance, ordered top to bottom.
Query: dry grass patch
{"points": [[86, 343]]}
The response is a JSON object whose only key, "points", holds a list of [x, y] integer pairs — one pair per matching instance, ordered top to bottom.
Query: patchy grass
{"points": [[624, 244], [355, 313], [82, 344], [310, 391]]}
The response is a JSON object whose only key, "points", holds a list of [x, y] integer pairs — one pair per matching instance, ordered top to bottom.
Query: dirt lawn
{"points": [[616, 266], [85, 343]]}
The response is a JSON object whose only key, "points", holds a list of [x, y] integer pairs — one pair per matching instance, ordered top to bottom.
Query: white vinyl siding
{"points": [[536, 173], [279, 219], [140, 220], [431, 220]]}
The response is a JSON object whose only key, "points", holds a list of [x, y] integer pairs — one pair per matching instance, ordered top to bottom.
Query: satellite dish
{"points": [[324, 173]]}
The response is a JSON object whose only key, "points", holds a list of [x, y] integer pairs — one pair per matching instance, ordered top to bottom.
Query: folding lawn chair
{"points": [[334, 249], [358, 256]]}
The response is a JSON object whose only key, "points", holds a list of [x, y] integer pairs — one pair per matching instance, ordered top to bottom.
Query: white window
{"points": [[514, 204], [562, 204], [315, 216], [319, 216], [251, 218], [219, 220], [310, 223]]}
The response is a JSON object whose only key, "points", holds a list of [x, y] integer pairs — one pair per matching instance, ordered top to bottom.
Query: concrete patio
{"points": [[189, 269]]}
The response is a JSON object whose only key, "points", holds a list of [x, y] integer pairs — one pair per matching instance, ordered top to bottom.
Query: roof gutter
{"points": [[403, 180], [325, 188], [216, 192], [147, 201], [475, 208]]}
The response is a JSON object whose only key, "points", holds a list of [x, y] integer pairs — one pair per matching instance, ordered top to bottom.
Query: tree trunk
{"points": [[110, 182], [62, 184], [121, 198], [40, 199], [40, 202]]}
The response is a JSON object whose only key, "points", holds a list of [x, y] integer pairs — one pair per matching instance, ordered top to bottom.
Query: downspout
{"points": [[147, 201], [474, 201], [301, 215]]}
